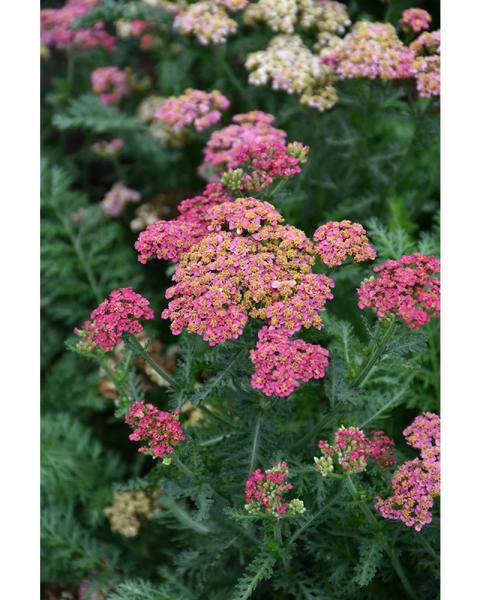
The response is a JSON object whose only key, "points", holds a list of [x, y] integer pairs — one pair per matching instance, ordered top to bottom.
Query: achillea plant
{"points": [[265, 347]]}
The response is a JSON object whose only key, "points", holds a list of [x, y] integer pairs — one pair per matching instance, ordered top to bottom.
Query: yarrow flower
{"points": [[279, 15], [325, 15], [415, 19], [207, 20], [57, 28], [137, 28], [373, 51], [426, 65], [291, 67], [110, 83], [194, 107], [247, 129], [108, 148], [256, 166], [117, 198], [168, 240], [338, 240], [228, 275], [406, 288], [120, 313], [281, 364], [158, 429], [352, 449], [416, 483], [265, 490], [129, 510]]}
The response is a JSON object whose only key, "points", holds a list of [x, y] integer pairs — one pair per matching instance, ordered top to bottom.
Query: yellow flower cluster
{"points": [[129, 510]]}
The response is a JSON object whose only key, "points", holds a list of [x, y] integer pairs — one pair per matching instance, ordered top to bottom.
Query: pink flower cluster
{"points": [[415, 19], [57, 27], [370, 50], [110, 83], [202, 109], [249, 128], [108, 148], [259, 164], [117, 198], [168, 240], [336, 241], [232, 274], [406, 288], [120, 313], [281, 364], [158, 429], [352, 449], [416, 483], [264, 492]]}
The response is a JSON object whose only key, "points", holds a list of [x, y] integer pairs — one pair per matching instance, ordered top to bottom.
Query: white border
{"points": [[460, 298], [20, 329]]}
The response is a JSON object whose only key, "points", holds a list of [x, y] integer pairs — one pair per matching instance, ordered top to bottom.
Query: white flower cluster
{"points": [[279, 15], [282, 15], [325, 15], [208, 21], [291, 67]]}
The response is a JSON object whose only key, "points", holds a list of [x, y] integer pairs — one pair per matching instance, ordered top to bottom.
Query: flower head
{"points": [[415, 19], [208, 21], [57, 28], [372, 51], [291, 67], [110, 83], [194, 107], [249, 128], [108, 148], [259, 164], [117, 198], [336, 241], [406, 287], [120, 313], [281, 364], [159, 430], [352, 449], [416, 483], [265, 490]]}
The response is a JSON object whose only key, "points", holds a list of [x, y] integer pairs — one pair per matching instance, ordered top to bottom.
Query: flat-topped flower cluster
{"points": [[57, 28], [194, 107], [408, 288], [119, 314], [158, 429], [352, 449], [416, 483], [265, 493]]}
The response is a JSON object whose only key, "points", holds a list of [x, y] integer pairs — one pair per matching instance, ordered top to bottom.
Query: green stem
{"points": [[222, 61], [70, 69], [80, 255], [134, 345], [374, 356], [385, 407], [215, 416], [314, 431], [256, 439], [183, 467], [314, 517], [277, 533], [390, 551]]}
